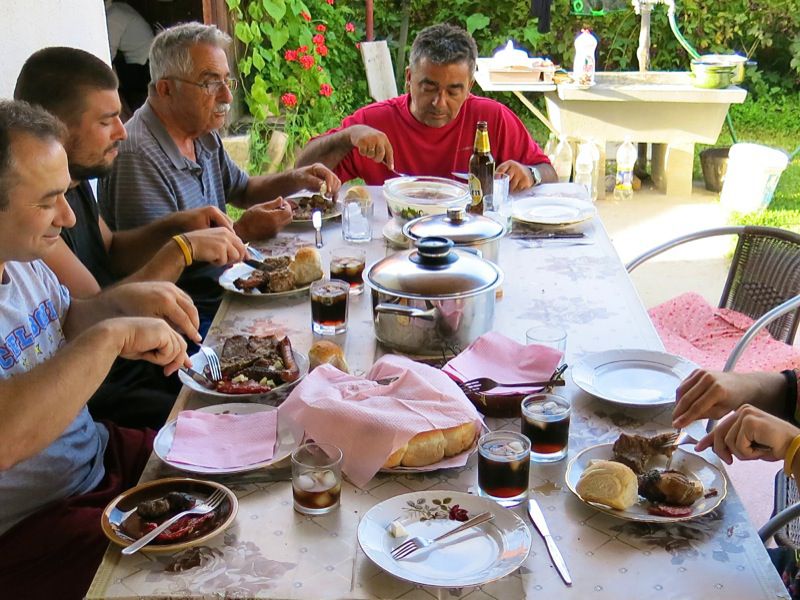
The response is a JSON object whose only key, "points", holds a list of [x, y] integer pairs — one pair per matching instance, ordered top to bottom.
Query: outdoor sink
{"points": [[658, 107]]}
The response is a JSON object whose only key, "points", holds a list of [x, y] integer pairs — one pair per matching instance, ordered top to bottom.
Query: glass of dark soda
{"points": [[347, 264], [329, 306], [545, 422], [504, 467], [316, 478]]}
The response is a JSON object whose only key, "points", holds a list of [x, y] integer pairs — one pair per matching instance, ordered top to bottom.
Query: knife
{"points": [[316, 220], [549, 235], [198, 377], [537, 518]]}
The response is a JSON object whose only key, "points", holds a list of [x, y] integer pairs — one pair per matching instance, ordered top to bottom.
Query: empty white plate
{"points": [[547, 210]]}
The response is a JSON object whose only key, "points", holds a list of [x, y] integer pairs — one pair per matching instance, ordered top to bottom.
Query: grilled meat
{"points": [[636, 451], [670, 487]]}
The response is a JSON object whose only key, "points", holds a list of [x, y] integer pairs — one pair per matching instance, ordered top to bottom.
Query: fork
{"points": [[213, 363], [484, 384], [205, 507], [413, 544]]}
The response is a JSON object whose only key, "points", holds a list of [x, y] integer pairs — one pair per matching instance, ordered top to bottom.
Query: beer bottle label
{"points": [[475, 190]]}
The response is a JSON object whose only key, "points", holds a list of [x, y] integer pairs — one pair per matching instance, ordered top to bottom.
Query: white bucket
{"points": [[752, 176]]}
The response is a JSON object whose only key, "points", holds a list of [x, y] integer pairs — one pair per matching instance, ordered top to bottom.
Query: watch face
{"points": [[537, 176]]}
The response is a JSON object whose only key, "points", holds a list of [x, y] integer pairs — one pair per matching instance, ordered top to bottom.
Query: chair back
{"points": [[380, 74], [764, 273]]}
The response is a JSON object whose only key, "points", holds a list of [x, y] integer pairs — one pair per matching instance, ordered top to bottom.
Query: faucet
{"points": [[644, 8]]}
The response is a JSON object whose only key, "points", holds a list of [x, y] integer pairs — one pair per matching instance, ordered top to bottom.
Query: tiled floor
{"points": [[651, 218]]}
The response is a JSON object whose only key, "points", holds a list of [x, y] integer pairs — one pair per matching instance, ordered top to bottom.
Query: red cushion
{"points": [[690, 327]]}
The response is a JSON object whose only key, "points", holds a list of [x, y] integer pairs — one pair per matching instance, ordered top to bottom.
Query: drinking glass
{"points": [[501, 203], [357, 219], [347, 264], [329, 302], [551, 336], [545, 422], [504, 467], [316, 478]]}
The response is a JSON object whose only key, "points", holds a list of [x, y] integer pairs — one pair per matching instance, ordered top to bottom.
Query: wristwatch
{"points": [[536, 174]]}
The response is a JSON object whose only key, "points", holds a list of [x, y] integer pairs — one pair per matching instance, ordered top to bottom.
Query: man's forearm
{"points": [[327, 149], [132, 249], [166, 265], [37, 406]]}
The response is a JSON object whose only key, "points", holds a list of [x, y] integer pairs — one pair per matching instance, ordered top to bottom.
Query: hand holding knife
{"points": [[537, 518]]}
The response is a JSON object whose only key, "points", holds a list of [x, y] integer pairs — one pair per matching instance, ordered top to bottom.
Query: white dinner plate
{"points": [[547, 210], [238, 270], [199, 363], [632, 377], [289, 437], [688, 463], [474, 557]]}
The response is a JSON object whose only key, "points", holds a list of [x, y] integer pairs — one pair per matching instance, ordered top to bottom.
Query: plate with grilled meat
{"points": [[304, 205], [274, 276], [251, 366], [628, 479]]}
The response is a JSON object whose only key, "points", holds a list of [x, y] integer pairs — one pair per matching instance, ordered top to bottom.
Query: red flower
{"points": [[329, 2], [306, 16], [349, 27], [321, 28], [318, 39], [358, 45], [302, 49], [322, 50], [290, 55], [307, 61], [319, 68], [325, 90], [289, 100]]}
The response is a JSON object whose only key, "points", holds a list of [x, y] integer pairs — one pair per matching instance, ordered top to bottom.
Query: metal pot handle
{"points": [[406, 311]]}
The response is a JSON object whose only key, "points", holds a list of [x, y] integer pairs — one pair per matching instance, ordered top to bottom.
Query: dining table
{"points": [[271, 551]]}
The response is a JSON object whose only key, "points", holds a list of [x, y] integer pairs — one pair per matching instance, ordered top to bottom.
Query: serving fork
{"points": [[212, 359], [484, 384], [205, 507], [415, 543]]}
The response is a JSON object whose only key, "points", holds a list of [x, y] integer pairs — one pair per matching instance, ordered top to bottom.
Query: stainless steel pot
{"points": [[737, 61], [464, 229], [433, 299]]}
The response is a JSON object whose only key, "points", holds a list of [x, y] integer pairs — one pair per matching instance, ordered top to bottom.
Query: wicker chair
{"points": [[764, 272]]}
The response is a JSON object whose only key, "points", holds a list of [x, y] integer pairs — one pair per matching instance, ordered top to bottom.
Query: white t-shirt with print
{"points": [[33, 305]]}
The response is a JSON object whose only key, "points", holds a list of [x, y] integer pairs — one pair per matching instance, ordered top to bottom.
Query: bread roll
{"points": [[357, 192], [306, 266], [323, 352], [432, 446], [610, 483]]}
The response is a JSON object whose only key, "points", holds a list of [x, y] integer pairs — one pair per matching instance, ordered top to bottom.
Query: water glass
{"points": [[501, 202], [357, 219], [347, 264], [329, 301], [551, 336], [545, 422], [504, 467], [316, 478]]}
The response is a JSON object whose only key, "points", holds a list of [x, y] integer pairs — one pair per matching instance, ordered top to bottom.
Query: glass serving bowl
{"points": [[412, 197]]}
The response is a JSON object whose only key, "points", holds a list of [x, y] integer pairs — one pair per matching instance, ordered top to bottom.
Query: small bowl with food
{"points": [[412, 197]]}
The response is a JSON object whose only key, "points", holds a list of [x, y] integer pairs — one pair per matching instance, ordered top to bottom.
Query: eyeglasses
{"points": [[212, 88]]}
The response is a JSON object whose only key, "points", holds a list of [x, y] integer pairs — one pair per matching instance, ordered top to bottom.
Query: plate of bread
{"points": [[280, 275], [434, 449], [629, 479]]}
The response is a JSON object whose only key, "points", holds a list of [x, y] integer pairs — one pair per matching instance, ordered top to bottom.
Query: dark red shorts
{"points": [[53, 554]]}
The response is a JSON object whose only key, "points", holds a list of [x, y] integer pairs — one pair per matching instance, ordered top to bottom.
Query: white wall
{"points": [[29, 25]]}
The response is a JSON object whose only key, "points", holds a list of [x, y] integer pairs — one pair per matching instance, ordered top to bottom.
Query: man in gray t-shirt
{"points": [[54, 353]]}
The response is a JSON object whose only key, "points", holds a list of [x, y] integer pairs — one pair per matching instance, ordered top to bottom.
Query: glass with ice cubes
{"points": [[357, 219], [545, 422], [504, 467], [316, 478]]}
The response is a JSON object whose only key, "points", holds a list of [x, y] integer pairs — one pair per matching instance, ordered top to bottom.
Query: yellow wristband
{"points": [[185, 247], [791, 452]]}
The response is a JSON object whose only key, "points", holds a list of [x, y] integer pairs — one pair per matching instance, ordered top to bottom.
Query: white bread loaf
{"points": [[306, 266], [323, 352], [432, 446], [610, 483]]}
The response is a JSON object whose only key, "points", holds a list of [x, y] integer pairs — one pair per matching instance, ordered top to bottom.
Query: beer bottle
{"points": [[481, 170]]}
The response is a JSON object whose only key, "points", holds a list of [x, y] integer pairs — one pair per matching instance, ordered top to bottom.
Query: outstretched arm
{"points": [[332, 148]]}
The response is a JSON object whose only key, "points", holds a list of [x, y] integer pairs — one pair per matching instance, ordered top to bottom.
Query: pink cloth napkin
{"points": [[501, 358], [369, 421], [224, 440]]}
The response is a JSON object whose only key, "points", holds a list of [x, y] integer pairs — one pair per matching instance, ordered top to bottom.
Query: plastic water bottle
{"points": [[584, 65], [550, 147], [626, 158], [563, 160], [598, 168], [584, 169]]}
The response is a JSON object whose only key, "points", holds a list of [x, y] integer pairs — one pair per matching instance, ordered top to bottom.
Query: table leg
{"points": [[536, 112], [672, 168]]}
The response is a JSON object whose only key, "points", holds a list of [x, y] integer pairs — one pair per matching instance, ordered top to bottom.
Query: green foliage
{"points": [[300, 67]]}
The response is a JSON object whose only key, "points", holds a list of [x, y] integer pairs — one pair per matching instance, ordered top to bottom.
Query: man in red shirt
{"points": [[431, 129]]}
